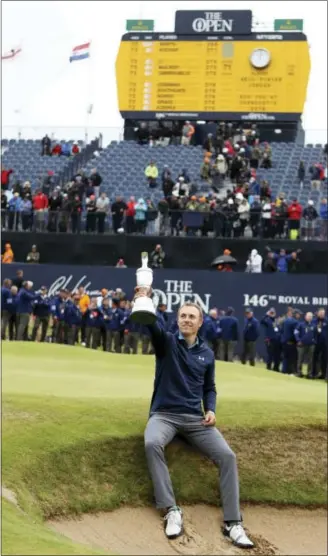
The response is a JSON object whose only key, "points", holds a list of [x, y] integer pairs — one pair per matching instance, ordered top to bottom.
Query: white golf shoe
{"points": [[173, 523], [237, 535]]}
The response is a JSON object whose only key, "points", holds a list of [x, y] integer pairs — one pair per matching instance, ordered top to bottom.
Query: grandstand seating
{"points": [[25, 158], [122, 166]]}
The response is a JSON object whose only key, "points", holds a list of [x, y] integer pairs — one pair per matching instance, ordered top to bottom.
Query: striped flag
{"points": [[80, 52], [11, 54]]}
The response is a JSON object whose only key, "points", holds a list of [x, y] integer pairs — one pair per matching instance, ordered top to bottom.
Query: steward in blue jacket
{"points": [[5, 294], [58, 306], [24, 310], [41, 311], [73, 319], [114, 319], [93, 322], [212, 331], [229, 332], [131, 333], [250, 334], [305, 338], [272, 339], [288, 340], [320, 357]]}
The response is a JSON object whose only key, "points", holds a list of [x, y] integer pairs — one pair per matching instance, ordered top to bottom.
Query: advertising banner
{"points": [[238, 22]]}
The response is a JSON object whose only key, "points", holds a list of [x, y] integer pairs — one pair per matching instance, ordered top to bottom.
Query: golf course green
{"points": [[72, 426]]}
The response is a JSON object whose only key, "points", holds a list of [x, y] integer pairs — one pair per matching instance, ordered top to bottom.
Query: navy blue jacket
{"points": [[5, 293], [25, 301], [11, 304], [42, 306], [57, 308], [73, 315], [93, 318], [116, 323], [129, 324], [229, 328], [288, 328], [212, 329], [251, 330], [272, 330], [321, 331], [305, 333], [184, 377]]}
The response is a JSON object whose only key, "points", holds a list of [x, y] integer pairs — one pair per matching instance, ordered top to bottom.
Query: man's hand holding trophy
{"points": [[143, 311]]}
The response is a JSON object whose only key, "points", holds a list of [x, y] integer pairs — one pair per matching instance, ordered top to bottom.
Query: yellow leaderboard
{"points": [[170, 76]]}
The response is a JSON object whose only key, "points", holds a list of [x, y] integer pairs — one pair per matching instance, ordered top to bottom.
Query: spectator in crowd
{"points": [[188, 131], [46, 146], [75, 148], [56, 149], [65, 150], [255, 156], [266, 157], [206, 170], [151, 173], [316, 173], [301, 174], [5, 177], [95, 181], [181, 188], [27, 191], [4, 205], [55, 205], [40, 206], [102, 207], [91, 208], [119, 208], [14, 209], [280, 211], [76, 212], [323, 212], [26, 214], [130, 215], [141, 216], [310, 216], [164, 218], [266, 218], [294, 218], [8, 256], [33, 256], [157, 257], [282, 259], [254, 262], [270, 263], [294, 263], [121, 264]]}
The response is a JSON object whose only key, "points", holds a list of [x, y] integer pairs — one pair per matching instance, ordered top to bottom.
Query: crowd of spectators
{"points": [[58, 148]]}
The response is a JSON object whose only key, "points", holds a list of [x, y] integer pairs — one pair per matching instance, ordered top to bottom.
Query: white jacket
{"points": [[254, 263]]}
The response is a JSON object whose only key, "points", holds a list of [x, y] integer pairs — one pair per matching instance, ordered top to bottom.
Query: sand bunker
{"points": [[139, 531]]}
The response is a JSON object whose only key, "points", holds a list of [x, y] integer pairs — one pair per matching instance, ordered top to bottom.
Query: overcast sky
{"points": [[41, 88]]}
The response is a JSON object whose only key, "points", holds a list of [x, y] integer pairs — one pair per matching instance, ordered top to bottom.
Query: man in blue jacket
{"points": [[25, 301], [57, 308], [12, 309], [41, 311], [5, 314], [73, 319], [93, 321], [229, 326], [212, 331], [131, 332], [250, 335], [305, 338], [272, 340], [288, 340], [320, 356], [184, 401]]}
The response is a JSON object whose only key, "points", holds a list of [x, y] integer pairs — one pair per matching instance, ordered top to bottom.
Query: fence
{"points": [[175, 222]]}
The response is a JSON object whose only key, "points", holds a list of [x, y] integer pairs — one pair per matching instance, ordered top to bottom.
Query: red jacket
{"points": [[57, 149], [75, 149], [5, 176], [40, 202], [131, 210], [295, 211]]}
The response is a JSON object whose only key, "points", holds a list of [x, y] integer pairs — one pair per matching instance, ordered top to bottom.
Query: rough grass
{"points": [[73, 422]]}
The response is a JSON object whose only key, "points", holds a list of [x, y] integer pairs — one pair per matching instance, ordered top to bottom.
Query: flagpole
{"points": [[89, 94]]}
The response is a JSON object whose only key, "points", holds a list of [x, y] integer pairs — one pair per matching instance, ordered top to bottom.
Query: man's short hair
{"points": [[192, 304]]}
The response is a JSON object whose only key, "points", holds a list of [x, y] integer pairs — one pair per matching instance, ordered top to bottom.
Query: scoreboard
{"points": [[255, 76]]}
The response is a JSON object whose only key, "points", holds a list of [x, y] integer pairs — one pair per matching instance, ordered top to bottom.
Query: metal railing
{"points": [[174, 223]]}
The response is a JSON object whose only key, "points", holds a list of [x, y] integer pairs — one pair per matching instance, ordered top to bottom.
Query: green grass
{"points": [[73, 422]]}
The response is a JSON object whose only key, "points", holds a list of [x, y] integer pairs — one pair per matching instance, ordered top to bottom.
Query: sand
{"points": [[139, 531]]}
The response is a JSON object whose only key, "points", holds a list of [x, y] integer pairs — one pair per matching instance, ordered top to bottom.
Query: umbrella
{"points": [[224, 259]]}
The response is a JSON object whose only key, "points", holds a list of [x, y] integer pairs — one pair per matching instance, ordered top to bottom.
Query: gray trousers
{"points": [[23, 322], [4, 323], [113, 337], [146, 345], [227, 350], [249, 352], [305, 353], [161, 429]]}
